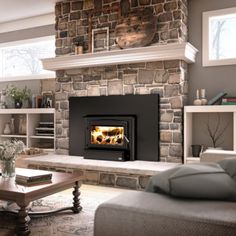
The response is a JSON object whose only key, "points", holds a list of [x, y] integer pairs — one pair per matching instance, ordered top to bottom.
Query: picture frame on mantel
{"points": [[100, 39]]}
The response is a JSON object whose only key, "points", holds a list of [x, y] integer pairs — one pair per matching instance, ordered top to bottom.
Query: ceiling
{"points": [[18, 9]]}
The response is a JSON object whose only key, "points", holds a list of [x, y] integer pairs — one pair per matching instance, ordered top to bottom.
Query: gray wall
{"points": [[27, 33], [216, 78]]}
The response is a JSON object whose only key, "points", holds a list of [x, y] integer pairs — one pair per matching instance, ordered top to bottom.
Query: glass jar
{"points": [[22, 125], [8, 168]]}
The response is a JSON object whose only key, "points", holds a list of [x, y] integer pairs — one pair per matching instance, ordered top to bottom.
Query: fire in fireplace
{"points": [[106, 135], [110, 137]]}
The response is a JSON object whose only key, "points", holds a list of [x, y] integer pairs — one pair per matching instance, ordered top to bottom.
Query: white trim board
{"points": [[31, 22], [162, 52]]}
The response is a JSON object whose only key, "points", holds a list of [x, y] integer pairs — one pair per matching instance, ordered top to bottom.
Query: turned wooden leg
{"points": [[76, 201], [23, 220]]}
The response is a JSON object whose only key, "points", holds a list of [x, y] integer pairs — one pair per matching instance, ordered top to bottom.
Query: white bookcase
{"points": [[189, 112], [32, 117]]}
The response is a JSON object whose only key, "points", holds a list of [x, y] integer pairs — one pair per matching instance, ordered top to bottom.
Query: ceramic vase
{"points": [[18, 104]]}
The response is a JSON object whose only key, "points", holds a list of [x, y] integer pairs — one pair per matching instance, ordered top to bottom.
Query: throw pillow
{"points": [[229, 165], [201, 181]]}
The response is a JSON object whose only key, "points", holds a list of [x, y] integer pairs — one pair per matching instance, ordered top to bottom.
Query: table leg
{"points": [[76, 201], [23, 220]]}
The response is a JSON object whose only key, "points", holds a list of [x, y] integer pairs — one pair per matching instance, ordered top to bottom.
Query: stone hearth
{"points": [[130, 174]]}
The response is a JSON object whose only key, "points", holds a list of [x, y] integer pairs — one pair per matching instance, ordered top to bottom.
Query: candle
{"points": [[197, 94]]}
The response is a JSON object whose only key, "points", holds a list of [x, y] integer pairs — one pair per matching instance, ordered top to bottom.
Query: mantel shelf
{"points": [[162, 52]]}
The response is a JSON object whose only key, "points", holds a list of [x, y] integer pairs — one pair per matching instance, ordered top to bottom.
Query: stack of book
{"points": [[228, 101], [45, 129], [33, 177]]}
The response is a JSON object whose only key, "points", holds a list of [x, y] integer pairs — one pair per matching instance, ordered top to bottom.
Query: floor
{"points": [[67, 224]]}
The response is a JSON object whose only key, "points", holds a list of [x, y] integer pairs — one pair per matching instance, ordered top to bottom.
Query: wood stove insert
{"points": [[141, 111]]}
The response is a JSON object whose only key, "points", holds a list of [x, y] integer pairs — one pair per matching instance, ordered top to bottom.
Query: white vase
{"points": [[7, 129]]}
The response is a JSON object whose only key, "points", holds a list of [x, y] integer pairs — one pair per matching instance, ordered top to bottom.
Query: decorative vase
{"points": [[18, 104], [22, 124], [7, 129], [196, 150], [8, 168]]}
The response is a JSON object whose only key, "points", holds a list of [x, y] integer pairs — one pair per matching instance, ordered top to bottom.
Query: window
{"points": [[219, 37], [21, 59]]}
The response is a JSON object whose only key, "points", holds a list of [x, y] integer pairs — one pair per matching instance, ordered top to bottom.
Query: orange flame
{"points": [[107, 135]]}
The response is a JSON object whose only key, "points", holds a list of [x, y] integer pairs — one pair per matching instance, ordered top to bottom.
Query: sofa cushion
{"points": [[229, 165], [208, 181], [138, 213]]}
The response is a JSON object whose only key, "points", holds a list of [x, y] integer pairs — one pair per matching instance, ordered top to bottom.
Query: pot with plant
{"points": [[18, 95]]}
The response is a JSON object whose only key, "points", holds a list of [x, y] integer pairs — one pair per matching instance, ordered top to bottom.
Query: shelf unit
{"points": [[189, 111], [32, 116]]}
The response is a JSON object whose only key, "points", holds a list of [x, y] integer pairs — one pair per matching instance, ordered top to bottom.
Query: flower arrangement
{"points": [[18, 95], [9, 149]]}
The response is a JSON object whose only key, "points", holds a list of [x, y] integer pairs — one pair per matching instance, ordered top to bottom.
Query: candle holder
{"points": [[203, 97], [197, 101]]}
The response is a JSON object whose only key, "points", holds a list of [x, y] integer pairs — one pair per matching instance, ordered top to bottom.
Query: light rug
{"points": [[65, 223]]}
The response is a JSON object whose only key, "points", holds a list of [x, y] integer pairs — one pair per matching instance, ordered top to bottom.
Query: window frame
{"points": [[206, 61], [49, 75]]}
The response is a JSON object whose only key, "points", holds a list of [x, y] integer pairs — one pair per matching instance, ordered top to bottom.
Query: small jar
{"points": [[78, 49]]}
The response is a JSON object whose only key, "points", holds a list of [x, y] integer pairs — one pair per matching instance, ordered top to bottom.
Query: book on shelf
{"points": [[217, 99], [228, 101]]}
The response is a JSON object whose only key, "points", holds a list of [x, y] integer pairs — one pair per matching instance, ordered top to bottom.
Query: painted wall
{"points": [[27, 33], [216, 78]]}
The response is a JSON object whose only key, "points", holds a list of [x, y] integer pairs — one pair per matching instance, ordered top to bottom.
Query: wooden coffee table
{"points": [[23, 196]]}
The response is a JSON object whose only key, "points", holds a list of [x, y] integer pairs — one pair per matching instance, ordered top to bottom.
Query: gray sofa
{"points": [[137, 213]]}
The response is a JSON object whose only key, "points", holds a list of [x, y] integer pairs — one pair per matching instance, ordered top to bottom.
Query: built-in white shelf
{"points": [[161, 52], [50, 75], [28, 111], [32, 118], [188, 124], [13, 136], [42, 137]]}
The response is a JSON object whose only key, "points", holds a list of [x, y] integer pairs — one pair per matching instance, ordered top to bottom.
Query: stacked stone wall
{"points": [[168, 78]]}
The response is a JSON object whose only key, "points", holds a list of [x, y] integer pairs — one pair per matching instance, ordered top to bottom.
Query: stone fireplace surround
{"points": [[168, 78]]}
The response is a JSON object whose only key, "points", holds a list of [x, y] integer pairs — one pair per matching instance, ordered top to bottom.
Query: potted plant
{"points": [[18, 95]]}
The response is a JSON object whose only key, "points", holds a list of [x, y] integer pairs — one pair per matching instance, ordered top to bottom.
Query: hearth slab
{"points": [[78, 162]]}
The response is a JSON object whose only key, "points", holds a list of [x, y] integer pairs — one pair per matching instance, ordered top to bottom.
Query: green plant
{"points": [[18, 94]]}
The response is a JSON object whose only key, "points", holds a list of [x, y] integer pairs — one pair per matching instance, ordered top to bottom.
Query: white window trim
{"points": [[26, 23], [205, 38], [49, 75]]}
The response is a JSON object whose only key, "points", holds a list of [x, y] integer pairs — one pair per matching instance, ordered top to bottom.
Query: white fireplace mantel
{"points": [[162, 52]]}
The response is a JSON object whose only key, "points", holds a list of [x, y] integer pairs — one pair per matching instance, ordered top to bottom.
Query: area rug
{"points": [[64, 223]]}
